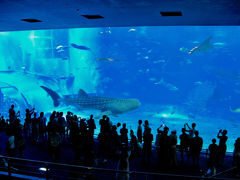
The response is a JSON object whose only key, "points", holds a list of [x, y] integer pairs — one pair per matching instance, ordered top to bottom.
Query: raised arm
{"points": [[32, 111], [18, 114], [186, 125], [158, 129], [219, 132]]}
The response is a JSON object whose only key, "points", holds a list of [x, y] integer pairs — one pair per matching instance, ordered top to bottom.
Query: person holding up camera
{"points": [[28, 123], [222, 145]]}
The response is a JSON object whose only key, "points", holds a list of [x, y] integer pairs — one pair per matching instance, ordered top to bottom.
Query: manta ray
{"points": [[203, 47], [14, 93], [107, 105]]}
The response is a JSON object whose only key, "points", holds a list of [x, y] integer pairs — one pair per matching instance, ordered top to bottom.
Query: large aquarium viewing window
{"points": [[166, 75]]}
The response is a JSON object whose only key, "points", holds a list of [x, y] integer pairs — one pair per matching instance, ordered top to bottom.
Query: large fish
{"points": [[79, 47], [61, 48], [108, 106]]}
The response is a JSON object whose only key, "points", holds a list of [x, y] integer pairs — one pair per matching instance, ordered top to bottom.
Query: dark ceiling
{"points": [[16, 14]]}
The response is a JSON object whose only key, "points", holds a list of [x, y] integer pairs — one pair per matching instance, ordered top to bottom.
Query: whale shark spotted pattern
{"points": [[108, 106]]}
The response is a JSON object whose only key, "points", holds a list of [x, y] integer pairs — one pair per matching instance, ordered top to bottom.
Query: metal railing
{"points": [[27, 168]]}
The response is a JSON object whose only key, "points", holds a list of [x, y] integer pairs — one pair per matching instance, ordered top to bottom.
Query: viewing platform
{"points": [[38, 164]]}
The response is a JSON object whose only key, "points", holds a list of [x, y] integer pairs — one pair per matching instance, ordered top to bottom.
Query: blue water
{"points": [[151, 64]]}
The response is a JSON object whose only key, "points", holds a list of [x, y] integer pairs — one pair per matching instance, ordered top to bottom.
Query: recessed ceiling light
{"points": [[171, 13], [93, 16], [31, 20]]}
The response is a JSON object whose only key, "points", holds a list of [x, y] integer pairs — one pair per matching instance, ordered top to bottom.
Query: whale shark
{"points": [[203, 47], [107, 105]]}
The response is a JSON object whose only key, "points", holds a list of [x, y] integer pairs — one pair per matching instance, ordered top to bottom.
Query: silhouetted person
{"points": [[12, 113], [53, 117], [69, 118], [28, 122], [51, 123], [102, 123], [2, 124], [62, 124], [108, 124], [118, 125], [91, 126], [146, 126], [42, 127], [83, 127], [35, 128], [74, 130], [139, 131], [191, 131], [124, 134], [107, 135], [104, 138], [19, 140], [115, 141], [157, 142], [197, 143], [54, 144], [82, 144], [134, 144], [184, 144], [147, 145], [222, 145], [10, 146], [101, 146], [164, 148], [172, 149], [213, 152], [236, 155], [123, 164]]}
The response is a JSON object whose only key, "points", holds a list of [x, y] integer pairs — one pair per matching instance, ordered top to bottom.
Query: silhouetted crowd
{"points": [[109, 144]]}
